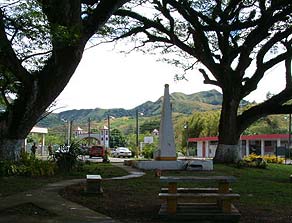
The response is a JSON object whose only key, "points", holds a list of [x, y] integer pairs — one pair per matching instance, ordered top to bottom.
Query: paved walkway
{"points": [[64, 211]]}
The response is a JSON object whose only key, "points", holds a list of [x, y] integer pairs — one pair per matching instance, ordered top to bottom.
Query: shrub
{"points": [[148, 151], [67, 158], [267, 158], [273, 159], [253, 160], [27, 166], [7, 168]]}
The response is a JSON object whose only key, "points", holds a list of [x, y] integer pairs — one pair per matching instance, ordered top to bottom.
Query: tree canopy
{"points": [[232, 43], [117, 139]]}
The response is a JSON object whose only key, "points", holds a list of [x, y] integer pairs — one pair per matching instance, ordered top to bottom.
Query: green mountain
{"points": [[181, 103], [186, 104]]}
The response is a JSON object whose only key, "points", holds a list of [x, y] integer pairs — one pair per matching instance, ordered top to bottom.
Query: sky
{"points": [[108, 79]]}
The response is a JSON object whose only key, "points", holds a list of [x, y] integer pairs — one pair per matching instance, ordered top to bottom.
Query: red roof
{"points": [[243, 137]]}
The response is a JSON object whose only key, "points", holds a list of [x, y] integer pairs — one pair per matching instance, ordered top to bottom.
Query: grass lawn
{"points": [[15, 184], [266, 194]]}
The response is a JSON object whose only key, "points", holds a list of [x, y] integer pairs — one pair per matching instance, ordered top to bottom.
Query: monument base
{"points": [[159, 158], [159, 164], [193, 164], [198, 164]]}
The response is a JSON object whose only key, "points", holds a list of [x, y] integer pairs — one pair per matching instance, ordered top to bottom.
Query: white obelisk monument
{"points": [[166, 150], [165, 155]]}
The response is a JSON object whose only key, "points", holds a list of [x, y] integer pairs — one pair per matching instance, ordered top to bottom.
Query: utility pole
{"points": [[70, 123], [186, 127], [137, 128], [109, 130], [67, 131], [89, 131]]}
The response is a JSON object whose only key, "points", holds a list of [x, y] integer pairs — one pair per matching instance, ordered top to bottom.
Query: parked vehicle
{"points": [[97, 151], [122, 152]]}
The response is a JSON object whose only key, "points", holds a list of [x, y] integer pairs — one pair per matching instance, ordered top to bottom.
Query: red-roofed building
{"points": [[263, 144]]}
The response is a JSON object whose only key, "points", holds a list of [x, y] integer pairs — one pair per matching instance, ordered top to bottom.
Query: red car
{"points": [[97, 151]]}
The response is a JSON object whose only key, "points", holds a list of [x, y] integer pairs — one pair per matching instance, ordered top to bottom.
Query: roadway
{"points": [[99, 159]]}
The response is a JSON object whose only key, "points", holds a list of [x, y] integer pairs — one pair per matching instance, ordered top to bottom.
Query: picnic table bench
{"points": [[215, 203]]}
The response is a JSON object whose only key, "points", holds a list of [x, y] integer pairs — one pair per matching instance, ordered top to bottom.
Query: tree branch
{"points": [[88, 2], [163, 9], [100, 15], [145, 21], [147, 24], [261, 31], [278, 37], [288, 46], [202, 49], [35, 54], [8, 57], [262, 67], [288, 73], [207, 79], [251, 83], [274, 105]]}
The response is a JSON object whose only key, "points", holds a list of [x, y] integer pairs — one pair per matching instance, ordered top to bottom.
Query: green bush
{"points": [[148, 151], [288, 153], [67, 158], [27, 166], [7, 168]]}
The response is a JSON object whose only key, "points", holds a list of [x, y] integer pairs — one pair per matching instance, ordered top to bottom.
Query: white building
{"points": [[263, 144]]}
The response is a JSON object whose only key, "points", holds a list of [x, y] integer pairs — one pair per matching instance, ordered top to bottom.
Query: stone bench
{"points": [[93, 184]]}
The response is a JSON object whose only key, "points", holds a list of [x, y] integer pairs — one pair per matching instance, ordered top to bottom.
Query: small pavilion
{"points": [[43, 132]]}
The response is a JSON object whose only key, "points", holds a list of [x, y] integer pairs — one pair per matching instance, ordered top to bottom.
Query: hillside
{"points": [[181, 103]]}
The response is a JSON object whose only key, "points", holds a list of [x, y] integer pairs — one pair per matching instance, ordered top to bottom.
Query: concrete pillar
{"points": [[25, 144], [43, 144], [247, 147], [262, 147], [200, 149], [207, 149]]}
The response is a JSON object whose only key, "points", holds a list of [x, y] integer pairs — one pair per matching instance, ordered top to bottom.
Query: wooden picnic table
{"points": [[221, 194]]}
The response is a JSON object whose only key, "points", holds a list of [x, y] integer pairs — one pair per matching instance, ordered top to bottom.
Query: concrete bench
{"points": [[93, 184]]}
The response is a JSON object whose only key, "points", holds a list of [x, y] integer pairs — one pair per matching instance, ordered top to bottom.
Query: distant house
{"points": [[78, 131], [155, 132], [263, 144]]}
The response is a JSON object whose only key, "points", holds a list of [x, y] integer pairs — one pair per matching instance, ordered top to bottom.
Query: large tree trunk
{"points": [[228, 145], [11, 148]]}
